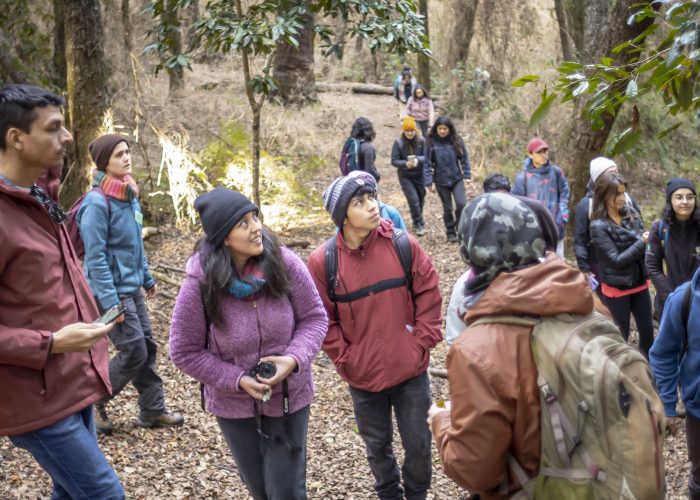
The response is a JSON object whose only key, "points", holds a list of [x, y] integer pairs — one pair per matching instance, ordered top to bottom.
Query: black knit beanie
{"points": [[102, 147], [678, 183], [220, 209]]}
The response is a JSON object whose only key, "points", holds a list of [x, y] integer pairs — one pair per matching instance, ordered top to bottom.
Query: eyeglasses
{"points": [[680, 197], [54, 209]]}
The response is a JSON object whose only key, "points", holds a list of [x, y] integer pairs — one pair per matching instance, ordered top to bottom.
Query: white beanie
{"points": [[599, 166]]}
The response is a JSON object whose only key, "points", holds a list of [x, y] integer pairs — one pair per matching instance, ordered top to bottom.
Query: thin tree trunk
{"points": [[560, 10], [464, 12], [126, 24], [59, 45], [424, 61], [294, 66], [11, 68], [176, 75], [86, 85], [255, 107], [584, 143]]}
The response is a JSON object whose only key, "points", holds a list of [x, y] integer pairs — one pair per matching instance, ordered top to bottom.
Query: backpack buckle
{"points": [[549, 396]]}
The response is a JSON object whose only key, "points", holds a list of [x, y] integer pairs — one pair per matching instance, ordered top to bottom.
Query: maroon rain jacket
{"points": [[42, 289]]}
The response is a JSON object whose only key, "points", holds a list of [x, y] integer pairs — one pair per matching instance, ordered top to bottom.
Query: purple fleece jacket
{"points": [[294, 325]]}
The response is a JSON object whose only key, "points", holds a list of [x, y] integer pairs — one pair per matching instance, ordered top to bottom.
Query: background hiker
{"points": [[420, 106], [363, 132], [408, 156], [447, 166], [543, 181], [115, 264]]}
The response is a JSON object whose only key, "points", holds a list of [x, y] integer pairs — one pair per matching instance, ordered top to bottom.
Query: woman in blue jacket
{"points": [[447, 166], [115, 265]]}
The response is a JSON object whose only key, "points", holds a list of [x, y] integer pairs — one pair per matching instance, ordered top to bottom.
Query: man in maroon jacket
{"points": [[380, 333], [53, 358]]}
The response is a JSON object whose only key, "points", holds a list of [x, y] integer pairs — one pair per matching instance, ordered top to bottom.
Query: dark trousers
{"points": [[423, 124], [414, 190], [452, 212], [638, 304], [135, 360], [410, 401], [692, 435], [268, 466]]}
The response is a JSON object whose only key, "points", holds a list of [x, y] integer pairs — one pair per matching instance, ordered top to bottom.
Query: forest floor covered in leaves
{"points": [[193, 461]]}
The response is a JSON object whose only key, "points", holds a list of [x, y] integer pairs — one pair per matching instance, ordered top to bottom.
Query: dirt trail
{"points": [[193, 462]]}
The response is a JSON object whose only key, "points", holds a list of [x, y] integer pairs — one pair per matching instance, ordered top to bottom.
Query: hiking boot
{"points": [[420, 230], [452, 238], [165, 419], [102, 422]]}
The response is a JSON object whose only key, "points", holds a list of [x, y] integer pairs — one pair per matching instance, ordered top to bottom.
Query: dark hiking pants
{"points": [[414, 190], [452, 211]]}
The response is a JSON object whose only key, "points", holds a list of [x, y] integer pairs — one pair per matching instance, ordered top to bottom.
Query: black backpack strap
{"points": [[402, 244], [331, 261], [685, 308], [207, 321]]}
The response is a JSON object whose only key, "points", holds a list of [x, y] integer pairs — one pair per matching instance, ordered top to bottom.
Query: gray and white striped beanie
{"points": [[336, 198]]}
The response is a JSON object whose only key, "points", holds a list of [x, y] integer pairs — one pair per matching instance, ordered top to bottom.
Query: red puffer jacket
{"points": [[42, 289], [380, 341]]}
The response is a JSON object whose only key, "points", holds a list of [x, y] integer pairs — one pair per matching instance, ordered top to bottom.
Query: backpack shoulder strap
{"points": [[663, 233], [403, 248], [330, 257], [685, 308], [507, 320], [207, 322]]}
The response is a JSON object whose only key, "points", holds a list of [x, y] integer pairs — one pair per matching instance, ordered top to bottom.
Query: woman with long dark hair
{"points": [[421, 107], [363, 132], [408, 156], [447, 166], [618, 234], [674, 240], [247, 324]]}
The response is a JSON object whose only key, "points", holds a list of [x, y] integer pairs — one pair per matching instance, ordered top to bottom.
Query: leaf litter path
{"points": [[193, 461]]}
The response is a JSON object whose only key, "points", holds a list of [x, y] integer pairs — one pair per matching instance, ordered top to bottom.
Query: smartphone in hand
{"points": [[111, 314]]}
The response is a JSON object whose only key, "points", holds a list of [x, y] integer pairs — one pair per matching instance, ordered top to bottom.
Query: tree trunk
{"points": [[575, 12], [465, 15], [128, 29], [59, 45], [566, 49], [424, 61], [294, 67], [11, 68], [176, 75], [86, 85], [584, 143], [256, 155]]}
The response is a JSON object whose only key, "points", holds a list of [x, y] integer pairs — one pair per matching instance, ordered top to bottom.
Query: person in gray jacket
{"points": [[115, 265]]}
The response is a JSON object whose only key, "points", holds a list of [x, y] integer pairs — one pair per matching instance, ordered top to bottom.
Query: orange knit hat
{"points": [[409, 123]]}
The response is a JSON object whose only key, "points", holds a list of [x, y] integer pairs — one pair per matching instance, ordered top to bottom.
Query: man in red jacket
{"points": [[380, 333], [53, 358]]}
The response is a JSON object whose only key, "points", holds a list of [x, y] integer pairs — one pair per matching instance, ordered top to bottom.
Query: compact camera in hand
{"points": [[266, 369]]}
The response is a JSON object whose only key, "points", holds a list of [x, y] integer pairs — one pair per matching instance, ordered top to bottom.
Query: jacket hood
{"points": [[529, 167], [7, 188], [589, 188], [193, 268], [545, 289]]}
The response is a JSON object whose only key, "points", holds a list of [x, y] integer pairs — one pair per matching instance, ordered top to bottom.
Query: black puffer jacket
{"points": [[400, 153], [442, 164], [583, 245], [620, 251]]}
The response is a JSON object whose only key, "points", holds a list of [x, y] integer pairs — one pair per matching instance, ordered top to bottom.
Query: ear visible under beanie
{"points": [[102, 147], [678, 183], [336, 198], [219, 210]]}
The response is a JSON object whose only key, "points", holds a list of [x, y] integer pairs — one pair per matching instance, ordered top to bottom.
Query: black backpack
{"points": [[402, 245]]}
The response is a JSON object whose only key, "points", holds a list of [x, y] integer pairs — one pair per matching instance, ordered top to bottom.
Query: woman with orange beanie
{"points": [[408, 156]]}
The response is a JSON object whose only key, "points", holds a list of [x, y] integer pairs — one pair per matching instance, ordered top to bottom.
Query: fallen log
{"points": [[355, 88], [148, 231], [297, 243], [165, 278], [438, 372]]}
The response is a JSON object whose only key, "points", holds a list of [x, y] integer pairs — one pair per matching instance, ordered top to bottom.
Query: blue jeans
{"points": [[410, 401], [68, 452]]}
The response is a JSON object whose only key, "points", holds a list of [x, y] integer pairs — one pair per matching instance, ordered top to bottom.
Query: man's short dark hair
{"points": [[18, 105], [496, 182]]}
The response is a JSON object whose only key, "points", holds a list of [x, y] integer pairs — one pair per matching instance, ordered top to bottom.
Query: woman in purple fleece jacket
{"points": [[246, 303]]}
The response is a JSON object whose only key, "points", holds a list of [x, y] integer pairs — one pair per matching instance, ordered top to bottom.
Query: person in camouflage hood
{"points": [[498, 232]]}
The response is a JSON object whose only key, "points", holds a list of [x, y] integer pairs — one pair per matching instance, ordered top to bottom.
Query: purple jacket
{"points": [[294, 325]]}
